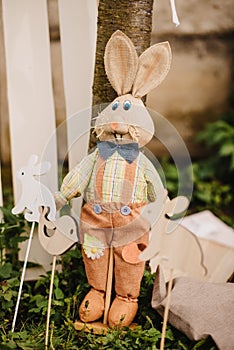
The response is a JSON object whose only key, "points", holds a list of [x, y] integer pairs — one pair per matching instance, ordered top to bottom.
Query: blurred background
{"points": [[47, 57], [199, 85], [196, 97]]}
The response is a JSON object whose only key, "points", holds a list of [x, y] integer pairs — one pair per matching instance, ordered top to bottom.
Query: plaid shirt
{"points": [[81, 179]]}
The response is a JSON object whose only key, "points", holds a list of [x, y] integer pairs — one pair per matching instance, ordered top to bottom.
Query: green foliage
{"points": [[220, 135], [213, 176], [174, 182], [214, 194], [11, 229], [11, 234], [70, 286], [8, 294], [146, 315], [64, 336]]}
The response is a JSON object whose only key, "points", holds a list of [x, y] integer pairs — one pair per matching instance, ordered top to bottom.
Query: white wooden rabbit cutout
{"points": [[34, 193], [38, 205], [64, 233], [167, 236]]}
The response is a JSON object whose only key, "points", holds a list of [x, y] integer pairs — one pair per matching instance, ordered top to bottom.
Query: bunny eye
{"points": [[115, 105], [126, 105], [22, 173]]}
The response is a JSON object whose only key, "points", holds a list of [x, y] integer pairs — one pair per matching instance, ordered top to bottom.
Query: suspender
{"points": [[127, 182]]}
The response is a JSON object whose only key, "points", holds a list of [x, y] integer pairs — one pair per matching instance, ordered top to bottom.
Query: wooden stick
{"points": [[22, 276], [108, 286], [49, 302], [166, 312]]}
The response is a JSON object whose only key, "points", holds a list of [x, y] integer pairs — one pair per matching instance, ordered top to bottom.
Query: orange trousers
{"points": [[125, 234]]}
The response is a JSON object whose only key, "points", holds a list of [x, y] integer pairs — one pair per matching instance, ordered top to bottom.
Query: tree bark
{"points": [[134, 18]]}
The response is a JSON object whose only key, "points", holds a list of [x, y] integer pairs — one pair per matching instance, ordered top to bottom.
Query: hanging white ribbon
{"points": [[175, 19]]}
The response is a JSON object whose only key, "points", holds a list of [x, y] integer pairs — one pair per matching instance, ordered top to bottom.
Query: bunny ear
{"points": [[121, 62], [153, 66], [32, 159], [41, 168], [177, 205]]}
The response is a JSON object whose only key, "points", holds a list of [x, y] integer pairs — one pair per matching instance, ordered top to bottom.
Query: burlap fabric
{"points": [[127, 72], [133, 77], [127, 276], [198, 309]]}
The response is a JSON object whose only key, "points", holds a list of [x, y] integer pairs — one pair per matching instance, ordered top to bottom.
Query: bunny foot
{"points": [[92, 307], [122, 312]]}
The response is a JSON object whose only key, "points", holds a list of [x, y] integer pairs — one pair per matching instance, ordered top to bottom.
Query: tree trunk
{"points": [[134, 18]]}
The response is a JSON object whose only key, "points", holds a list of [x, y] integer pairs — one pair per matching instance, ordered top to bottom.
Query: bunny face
{"points": [[132, 78], [126, 118], [32, 169], [23, 173]]}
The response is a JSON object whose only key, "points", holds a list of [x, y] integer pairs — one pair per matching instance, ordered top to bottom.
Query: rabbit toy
{"points": [[118, 181], [34, 194]]}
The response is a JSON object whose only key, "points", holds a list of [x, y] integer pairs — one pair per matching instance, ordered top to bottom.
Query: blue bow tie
{"points": [[129, 151]]}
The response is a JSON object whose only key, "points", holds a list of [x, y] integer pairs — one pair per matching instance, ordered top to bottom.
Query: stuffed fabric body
{"points": [[118, 181], [108, 186], [115, 192]]}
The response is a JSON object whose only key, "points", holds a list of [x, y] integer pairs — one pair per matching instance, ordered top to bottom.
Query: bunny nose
{"points": [[114, 126]]}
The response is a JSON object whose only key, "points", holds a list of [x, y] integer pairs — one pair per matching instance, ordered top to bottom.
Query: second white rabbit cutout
{"points": [[38, 205]]}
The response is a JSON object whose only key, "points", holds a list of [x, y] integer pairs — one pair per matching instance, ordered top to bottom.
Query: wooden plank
{"points": [[78, 39], [78, 42], [29, 89], [30, 96], [3, 108], [1, 200]]}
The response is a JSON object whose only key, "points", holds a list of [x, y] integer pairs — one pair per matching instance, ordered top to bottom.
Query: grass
{"points": [[70, 286]]}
